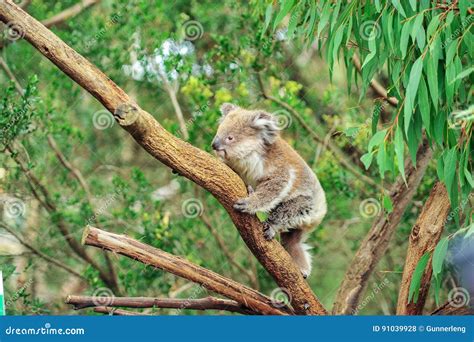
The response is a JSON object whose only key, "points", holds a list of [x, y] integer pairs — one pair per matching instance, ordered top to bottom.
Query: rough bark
{"points": [[191, 162], [424, 236], [376, 241], [157, 258], [208, 303], [448, 310]]}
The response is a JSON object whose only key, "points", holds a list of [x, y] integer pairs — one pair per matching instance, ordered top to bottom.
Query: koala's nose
{"points": [[216, 144]]}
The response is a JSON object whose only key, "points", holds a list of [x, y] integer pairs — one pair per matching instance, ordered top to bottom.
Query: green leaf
{"points": [[413, 4], [399, 7], [285, 9], [325, 13], [268, 16], [433, 25], [416, 26], [405, 35], [432, 74], [463, 74], [412, 88], [424, 104], [377, 139], [399, 152], [366, 159], [450, 168], [387, 204], [262, 216], [439, 255], [414, 290]]}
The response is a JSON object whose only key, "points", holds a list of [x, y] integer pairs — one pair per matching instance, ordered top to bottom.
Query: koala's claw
{"points": [[250, 189], [241, 205], [268, 231]]}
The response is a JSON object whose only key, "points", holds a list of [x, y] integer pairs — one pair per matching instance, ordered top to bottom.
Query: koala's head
{"points": [[242, 132]]}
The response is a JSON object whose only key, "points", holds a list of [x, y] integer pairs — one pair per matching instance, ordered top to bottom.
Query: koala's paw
{"points": [[250, 189], [243, 205], [268, 231]]}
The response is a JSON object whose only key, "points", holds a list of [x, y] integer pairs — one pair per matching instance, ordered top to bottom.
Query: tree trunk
{"points": [[424, 237], [375, 244]]}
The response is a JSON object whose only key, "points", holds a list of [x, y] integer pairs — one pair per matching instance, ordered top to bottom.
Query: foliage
{"points": [[132, 193]]}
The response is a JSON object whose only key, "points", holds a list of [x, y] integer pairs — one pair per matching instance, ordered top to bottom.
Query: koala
{"points": [[280, 182]]}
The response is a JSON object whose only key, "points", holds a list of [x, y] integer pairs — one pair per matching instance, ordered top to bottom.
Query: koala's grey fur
{"points": [[284, 186]]}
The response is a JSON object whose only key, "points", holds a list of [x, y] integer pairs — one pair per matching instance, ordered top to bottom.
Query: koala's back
{"points": [[306, 191]]}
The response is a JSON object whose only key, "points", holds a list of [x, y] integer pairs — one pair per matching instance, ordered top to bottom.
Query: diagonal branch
{"points": [[69, 13], [376, 86], [191, 162], [424, 237], [375, 243], [157, 258], [208, 303]]}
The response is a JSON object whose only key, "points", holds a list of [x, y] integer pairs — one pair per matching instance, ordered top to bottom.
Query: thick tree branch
{"points": [[187, 160], [424, 236], [376, 241], [157, 258], [208, 303], [448, 310]]}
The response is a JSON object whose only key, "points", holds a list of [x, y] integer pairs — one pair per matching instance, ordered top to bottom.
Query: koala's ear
{"points": [[226, 108], [268, 126]]}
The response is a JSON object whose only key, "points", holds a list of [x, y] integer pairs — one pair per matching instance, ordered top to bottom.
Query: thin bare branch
{"points": [[69, 13], [157, 258], [207, 303]]}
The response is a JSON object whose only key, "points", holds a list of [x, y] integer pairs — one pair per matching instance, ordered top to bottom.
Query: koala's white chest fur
{"points": [[250, 168]]}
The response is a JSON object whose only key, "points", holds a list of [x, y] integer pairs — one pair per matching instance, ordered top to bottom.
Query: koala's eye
{"points": [[229, 138]]}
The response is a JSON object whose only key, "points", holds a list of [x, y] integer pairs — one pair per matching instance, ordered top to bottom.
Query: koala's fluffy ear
{"points": [[226, 108], [268, 126]]}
